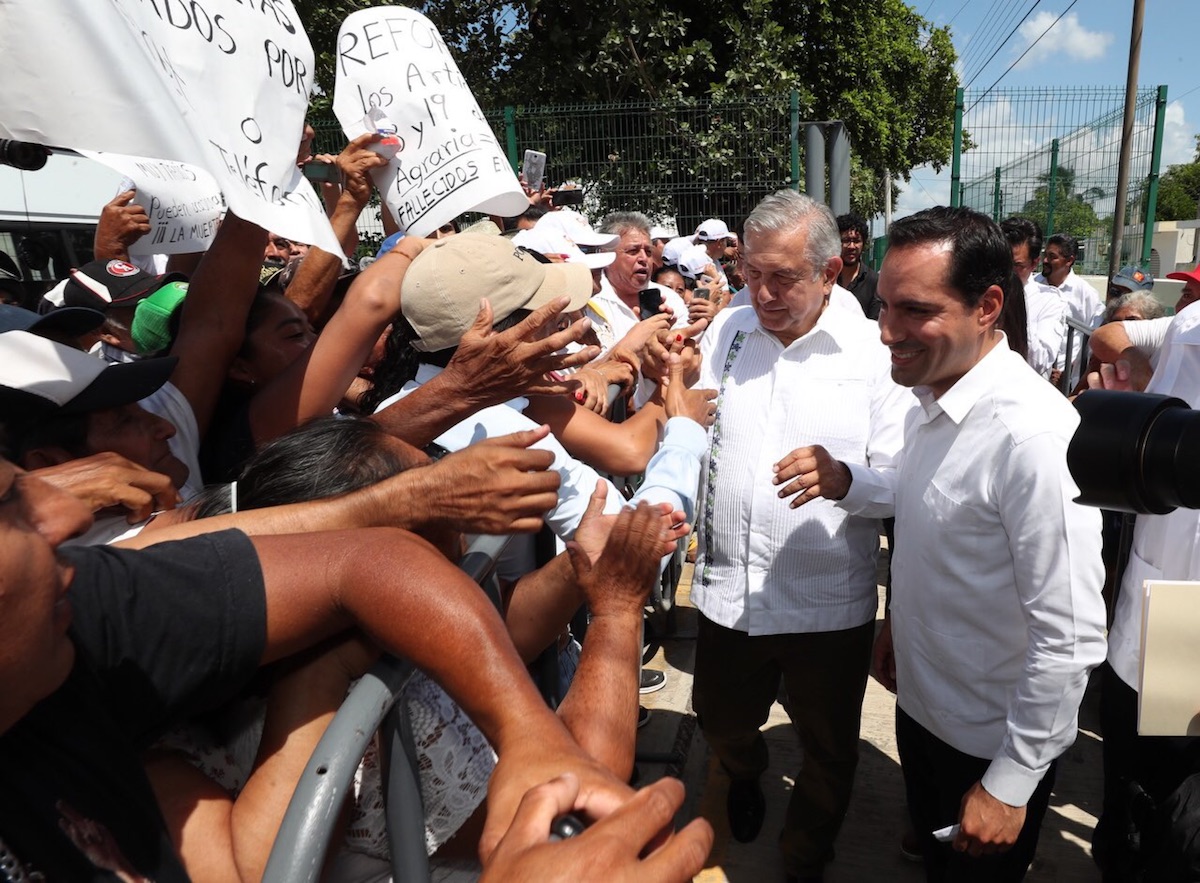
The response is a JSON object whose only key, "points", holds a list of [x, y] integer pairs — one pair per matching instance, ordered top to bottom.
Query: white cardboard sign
{"points": [[393, 61], [218, 84], [182, 201]]}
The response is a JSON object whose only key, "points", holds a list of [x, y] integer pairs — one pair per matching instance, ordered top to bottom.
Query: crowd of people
{"points": [[233, 480]]}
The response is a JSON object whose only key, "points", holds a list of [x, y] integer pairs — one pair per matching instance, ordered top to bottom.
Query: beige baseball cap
{"points": [[441, 291]]}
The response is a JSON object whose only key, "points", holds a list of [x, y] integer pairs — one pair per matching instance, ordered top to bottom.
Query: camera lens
{"points": [[22, 155], [1135, 452]]}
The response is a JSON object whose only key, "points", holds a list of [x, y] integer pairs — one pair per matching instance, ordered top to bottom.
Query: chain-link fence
{"points": [[1052, 155], [677, 162]]}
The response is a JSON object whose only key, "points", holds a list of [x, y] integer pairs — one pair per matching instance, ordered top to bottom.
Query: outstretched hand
{"points": [[492, 367], [679, 401], [499, 486], [595, 527], [620, 577]]}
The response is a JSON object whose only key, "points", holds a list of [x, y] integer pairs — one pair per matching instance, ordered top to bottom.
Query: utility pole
{"points": [[1135, 53]]}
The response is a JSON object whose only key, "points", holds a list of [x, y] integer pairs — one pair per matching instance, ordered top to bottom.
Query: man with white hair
{"points": [[617, 307], [788, 594]]}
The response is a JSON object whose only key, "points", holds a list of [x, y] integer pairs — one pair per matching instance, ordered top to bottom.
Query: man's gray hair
{"points": [[787, 210], [621, 223], [1142, 301]]}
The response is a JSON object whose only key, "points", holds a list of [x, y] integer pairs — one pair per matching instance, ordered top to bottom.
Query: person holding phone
{"points": [[618, 306]]}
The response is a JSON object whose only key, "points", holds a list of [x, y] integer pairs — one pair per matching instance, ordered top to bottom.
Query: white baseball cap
{"points": [[575, 228], [711, 230], [547, 240], [674, 250], [693, 261]]}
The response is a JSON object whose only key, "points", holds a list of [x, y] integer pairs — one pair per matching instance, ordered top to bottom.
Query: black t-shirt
{"points": [[863, 289], [159, 634]]}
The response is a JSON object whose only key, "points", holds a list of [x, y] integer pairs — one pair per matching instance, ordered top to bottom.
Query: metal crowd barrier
{"points": [[1076, 331], [302, 844]]}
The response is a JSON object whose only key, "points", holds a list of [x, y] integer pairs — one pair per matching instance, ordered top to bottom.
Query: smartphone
{"points": [[534, 169], [323, 172], [574, 196], [702, 293], [649, 302]]}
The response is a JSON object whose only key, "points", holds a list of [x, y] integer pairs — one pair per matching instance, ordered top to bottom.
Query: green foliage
{"points": [[879, 67], [1179, 190], [1073, 212]]}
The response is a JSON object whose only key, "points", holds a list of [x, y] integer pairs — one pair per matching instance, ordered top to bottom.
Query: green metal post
{"points": [[795, 113], [1160, 118], [510, 135], [956, 159], [997, 198], [1053, 198]]}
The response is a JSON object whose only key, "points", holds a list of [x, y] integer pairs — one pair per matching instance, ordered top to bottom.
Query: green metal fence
{"points": [[1052, 155], [687, 161]]}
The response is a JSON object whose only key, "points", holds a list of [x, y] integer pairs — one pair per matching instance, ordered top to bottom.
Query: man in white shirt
{"points": [[1083, 303], [1044, 306], [616, 309], [1165, 547], [789, 594], [996, 616]]}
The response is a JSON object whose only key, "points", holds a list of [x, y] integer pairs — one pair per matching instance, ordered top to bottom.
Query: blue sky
{"points": [[1089, 46]]}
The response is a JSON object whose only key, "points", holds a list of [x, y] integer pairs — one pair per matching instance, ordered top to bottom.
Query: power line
{"points": [[957, 14], [1009, 37], [979, 38], [986, 44], [1023, 54]]}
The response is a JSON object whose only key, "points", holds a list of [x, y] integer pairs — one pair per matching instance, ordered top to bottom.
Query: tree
{"points": [[881, 68], [1179, 191], [1073, 212]]}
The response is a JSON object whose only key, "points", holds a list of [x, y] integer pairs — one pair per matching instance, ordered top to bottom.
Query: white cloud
{"points": [[1067, 40], [1179, 137], [925, 190]]}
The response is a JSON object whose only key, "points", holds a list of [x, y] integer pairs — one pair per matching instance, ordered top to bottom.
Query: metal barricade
{"points": [[1078, 336], [312, 815]]}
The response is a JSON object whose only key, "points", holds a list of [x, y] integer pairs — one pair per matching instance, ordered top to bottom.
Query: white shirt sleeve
{"points": [[1148, 335], [872, 491], [1055, 547]]}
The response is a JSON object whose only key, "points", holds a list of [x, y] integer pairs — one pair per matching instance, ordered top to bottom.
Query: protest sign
{"points": [[393, 67], [218, 84], [182, 201]]}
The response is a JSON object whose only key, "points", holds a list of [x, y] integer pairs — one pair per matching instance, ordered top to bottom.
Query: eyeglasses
{"points": [[851, 240]]}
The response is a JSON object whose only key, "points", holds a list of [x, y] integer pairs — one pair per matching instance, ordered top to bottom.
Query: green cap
{"points": [[151, 328]]}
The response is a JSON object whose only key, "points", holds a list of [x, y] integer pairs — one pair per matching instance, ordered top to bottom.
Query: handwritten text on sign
{"points": [[393, 59], [218, 84], [183, 202]]}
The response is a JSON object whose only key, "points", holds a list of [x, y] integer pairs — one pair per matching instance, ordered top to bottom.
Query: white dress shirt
{"points": [[839, 297], [1083, 304], [1044, 311], [1148, 336], [1164, 546], [763, 567], [996, 610]]}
